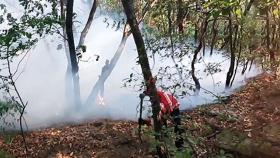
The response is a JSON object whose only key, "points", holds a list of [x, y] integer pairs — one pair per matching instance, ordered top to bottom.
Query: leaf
{"points": [[238, 12], [276, 12], [84, 48], [183, 154]]}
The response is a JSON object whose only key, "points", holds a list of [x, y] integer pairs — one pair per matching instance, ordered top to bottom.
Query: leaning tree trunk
{"points": [[203, 27], [81, 45], [72, 52], [232, 54], [144, 62], [245, 66], [104, 76]]}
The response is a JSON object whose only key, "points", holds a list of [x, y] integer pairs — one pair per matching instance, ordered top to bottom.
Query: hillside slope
{"points": [[247, 126]]}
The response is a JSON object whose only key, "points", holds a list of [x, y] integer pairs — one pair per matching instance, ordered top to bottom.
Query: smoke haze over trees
{"points": [[170, 37]]}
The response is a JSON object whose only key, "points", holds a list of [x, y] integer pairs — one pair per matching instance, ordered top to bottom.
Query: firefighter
{"points": [[169, 107]]}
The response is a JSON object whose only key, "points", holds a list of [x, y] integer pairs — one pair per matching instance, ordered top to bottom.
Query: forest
{"points": [[140, 78]]}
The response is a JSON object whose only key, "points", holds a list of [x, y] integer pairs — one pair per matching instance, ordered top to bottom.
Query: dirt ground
{"points": [[248, 125], [102, 138]]}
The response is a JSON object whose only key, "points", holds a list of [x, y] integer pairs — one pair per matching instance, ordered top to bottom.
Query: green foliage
{"points": [[112, 5], [114, 10], [19, 32], [23, 32], [84, 48], [212, 68], [221, 99], [5, 107], [8, 112], [227, 117], [8, 138], [167, 141], [183, 154], [223, 154], [5, 155]]}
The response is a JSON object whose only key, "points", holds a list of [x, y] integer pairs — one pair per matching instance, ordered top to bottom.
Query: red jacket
{"points": [[167, 102]]}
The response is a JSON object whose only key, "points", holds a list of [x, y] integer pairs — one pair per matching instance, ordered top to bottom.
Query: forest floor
{"points": [[248, 125]]}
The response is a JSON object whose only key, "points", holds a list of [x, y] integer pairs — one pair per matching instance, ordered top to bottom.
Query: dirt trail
{"points": [[247, 126]]}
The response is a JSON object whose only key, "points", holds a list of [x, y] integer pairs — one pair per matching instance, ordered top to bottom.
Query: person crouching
{"points": [[169, 108]]}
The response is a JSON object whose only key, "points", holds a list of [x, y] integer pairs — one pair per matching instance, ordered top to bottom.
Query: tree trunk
{"points": [[248, 7], [180, 16], [86, 28], [203, 29], [267, 30], [170, 31], [196, 32], [214, 33], [226, 39], [269, 42], [204, 44], [72, 52], [232, 53], [239, 55], [252, 61], [144, 62], [245, 66], [104, 75], [195, 79], [69, 90]]}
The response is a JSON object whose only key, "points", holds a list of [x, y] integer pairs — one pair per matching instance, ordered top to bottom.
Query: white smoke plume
{"points": [[42, 82]]}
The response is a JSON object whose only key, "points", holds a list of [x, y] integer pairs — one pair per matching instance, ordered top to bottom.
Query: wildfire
{"points": [[101, 100]]}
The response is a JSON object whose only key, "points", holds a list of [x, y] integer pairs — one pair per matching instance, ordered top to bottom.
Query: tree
{"points": [[21, 35], [72, 51], [143, 61]]}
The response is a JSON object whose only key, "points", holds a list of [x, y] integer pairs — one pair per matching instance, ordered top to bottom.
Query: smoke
{"points": [[42, 82]]}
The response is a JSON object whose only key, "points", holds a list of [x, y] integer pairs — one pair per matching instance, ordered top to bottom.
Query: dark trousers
{"points": [[175, 114], [177, 129]]}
